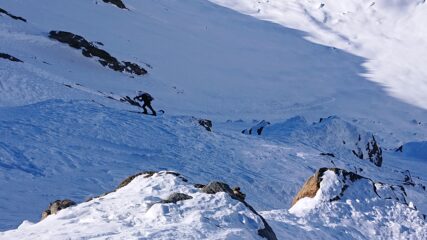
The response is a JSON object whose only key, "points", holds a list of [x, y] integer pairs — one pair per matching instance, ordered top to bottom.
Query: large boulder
{"points": [[90, 50]]}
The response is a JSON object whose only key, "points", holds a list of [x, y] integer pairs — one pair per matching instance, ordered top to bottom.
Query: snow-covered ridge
{"points": [[334, 197], [143, 208]]}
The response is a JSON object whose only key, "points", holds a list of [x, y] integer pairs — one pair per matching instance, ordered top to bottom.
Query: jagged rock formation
{"points": [[117, 3], [2, 11], [91, 50], [9, 57], [257, 128], [333, 136], [373, 150], [346, 180], [161, 200], [56, 206]]}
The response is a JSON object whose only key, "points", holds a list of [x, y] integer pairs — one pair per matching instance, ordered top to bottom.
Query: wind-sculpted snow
{"points": [[330, 135], [368, 210], [137, 211]]}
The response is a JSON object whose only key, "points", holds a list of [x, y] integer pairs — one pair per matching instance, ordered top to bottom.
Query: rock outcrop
{"points": [[117, 3], [2, 11], [91, 50], [9, 57], [207, 124], [257, 129], [332, 136], [373, 151], [345, 181], [176, 197], [158, 203], [56, 206]]}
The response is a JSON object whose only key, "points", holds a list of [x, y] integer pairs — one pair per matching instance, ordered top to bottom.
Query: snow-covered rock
{"points": [[257, 129], [332, 135], [334, 197], [139, 209]]}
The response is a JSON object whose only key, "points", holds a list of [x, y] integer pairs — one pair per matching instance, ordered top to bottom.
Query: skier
{"points": [[146, 98]]}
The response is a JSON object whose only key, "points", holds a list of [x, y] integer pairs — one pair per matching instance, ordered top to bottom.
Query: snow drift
{"points": [[140, 209]]}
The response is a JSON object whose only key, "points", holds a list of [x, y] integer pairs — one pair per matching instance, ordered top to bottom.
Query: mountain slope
{"points": [[388, 34], [65, 134]]}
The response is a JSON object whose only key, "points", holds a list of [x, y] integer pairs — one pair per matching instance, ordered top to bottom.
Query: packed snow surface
{"points": [[64, 134], [136, 212]]}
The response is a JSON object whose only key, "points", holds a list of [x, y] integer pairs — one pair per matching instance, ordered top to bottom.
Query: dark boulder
{"points": [[117, 3], [91, 50], [9, 57], [207, 124], [198, 185], [216, 187], [176, 197], [56, 206]]}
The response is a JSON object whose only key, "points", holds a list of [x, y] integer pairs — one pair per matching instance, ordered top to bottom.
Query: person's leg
{"points": [[144, 107], [151, 108]]}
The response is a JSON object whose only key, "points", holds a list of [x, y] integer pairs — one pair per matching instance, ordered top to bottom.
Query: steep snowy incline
{"points": [[389, 34], [205, 60], [63, 134], [78, 149]]}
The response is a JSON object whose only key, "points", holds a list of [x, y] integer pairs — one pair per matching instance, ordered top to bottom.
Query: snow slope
{"points": [[389, 34], [60, 137]]}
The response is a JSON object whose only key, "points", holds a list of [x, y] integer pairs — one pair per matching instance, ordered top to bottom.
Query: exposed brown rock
{"points": [[312, 185], [309, 189], [56, 206]]}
